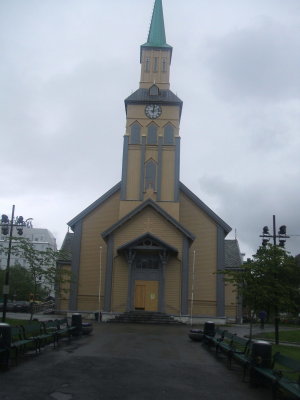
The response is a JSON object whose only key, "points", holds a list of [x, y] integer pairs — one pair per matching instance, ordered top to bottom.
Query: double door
{"points": [[146, 295]]}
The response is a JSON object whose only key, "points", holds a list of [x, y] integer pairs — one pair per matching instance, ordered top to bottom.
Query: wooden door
{"points": [[146, 295]]}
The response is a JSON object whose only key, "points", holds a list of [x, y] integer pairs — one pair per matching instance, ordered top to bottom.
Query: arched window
{"points": [[147, 64], [164, 64], [135, 134], [152, 134], [169, 135], [150, 175]]}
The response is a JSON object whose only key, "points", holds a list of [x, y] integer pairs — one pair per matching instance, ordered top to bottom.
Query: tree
{"points": [[40, 265], [270, 281]]}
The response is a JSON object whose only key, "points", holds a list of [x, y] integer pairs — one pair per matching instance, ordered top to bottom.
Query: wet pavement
{"points": [[121, 361]]}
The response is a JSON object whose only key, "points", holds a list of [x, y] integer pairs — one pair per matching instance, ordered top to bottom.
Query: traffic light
{"points": [[265, 230], [282, 230], [20, 231]]}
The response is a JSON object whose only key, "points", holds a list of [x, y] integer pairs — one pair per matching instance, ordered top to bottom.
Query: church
{"points": [[150, 243]]}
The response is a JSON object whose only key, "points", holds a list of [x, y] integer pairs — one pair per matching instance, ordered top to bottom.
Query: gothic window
{"points": [[147, 64], [164, 64], [155, 66], [154, 91], [135, 134], [152, 134], [169, 135], [150, 175], [147, 261]]}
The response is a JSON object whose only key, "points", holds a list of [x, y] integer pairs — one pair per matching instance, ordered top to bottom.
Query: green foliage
{"points": [[40, 275], [270, 281]]}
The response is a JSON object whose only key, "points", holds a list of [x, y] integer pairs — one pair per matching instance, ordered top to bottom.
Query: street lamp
{"points": [[7, 227], [281, 235]]}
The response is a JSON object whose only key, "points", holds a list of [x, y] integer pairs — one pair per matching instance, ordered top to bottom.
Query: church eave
{"points": [[94, 205], [205, 208], [138, 209], [146, 235]]}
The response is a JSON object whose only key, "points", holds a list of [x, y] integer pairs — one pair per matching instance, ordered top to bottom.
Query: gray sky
{"points": [[67, 66]]}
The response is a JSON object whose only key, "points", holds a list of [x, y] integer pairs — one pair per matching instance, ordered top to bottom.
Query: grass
{"points": [[14, 322], [284, 336]]}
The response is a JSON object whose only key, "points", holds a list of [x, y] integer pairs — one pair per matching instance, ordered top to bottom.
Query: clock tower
{"points": [[151, 152]]}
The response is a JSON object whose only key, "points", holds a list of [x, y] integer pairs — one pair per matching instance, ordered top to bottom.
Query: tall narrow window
{"points": [[164, 64], [147, 65], [155, 66], [154, 91], [135, 134], [152, 134], [169, 135], [150, 175]]}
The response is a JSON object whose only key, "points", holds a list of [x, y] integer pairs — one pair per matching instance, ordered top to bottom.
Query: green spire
{"points": [[157, 35]]}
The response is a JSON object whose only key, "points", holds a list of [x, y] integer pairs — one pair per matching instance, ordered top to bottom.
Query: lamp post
{"points": [[7, 228], [281, 235]]}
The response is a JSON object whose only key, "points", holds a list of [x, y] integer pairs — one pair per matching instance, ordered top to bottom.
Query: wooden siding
{"points": [[160, 78], [168, 173], [148, 220], [93, 225], [205, 246], [64, 289], [230, 301]]}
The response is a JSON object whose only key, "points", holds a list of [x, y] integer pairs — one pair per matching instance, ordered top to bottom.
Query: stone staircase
{"points": [[145, 317]]}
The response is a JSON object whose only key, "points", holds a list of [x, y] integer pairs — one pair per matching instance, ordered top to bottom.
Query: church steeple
{"points": [[157, 34], [156, 54], [151, 152]]}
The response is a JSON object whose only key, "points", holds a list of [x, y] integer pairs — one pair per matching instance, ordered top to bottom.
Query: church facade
{"points": [[149, 243]]}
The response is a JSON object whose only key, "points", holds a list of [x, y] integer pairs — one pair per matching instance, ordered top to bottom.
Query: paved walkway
{"points": [[131, 362]]}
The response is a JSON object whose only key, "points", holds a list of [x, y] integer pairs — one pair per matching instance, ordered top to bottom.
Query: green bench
{"points": [[64, 329], [36, 331], [214, 340], [19, 343], [224, 345], [239, 352], [284, 374]]}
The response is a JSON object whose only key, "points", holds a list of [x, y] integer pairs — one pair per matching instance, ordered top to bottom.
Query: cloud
{"points": [[257, 63]]}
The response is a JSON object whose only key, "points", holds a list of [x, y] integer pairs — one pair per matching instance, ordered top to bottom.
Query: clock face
{"points": [[153, 111]]}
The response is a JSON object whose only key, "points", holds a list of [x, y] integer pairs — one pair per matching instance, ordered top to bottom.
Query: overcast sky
{"points": [[67, 66]]}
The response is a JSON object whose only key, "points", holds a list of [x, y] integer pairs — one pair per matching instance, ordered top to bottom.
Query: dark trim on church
{"points": [[124, 168], [94, 205], [205, 208], [138, 209]]}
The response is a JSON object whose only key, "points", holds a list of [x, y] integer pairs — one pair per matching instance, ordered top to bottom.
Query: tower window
{"points": [[164, 64], [147, 65], [155, 66], [154, 91], [152, 134], [135, 135], [169, 135], [150, 175]]}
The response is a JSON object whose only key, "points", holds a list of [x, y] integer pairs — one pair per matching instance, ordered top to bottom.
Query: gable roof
{"points": [[94, 205], [141, 207], [205, 208], [146, 236], [65, 253], [233, 258]]}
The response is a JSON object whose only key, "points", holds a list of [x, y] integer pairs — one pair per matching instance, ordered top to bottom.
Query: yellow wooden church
{"points": [[149, 243]]}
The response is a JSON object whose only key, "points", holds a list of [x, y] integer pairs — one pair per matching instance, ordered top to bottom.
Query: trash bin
{"points": [[77, 322], [87, 328], [209, 328], [5, 335], [5, 341], [261, 356]]}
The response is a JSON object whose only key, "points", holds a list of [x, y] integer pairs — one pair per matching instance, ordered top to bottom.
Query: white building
{"points": [[40, 238]]}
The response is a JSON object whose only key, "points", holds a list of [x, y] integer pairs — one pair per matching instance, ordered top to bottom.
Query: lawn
{"points": [[284, 336]]}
